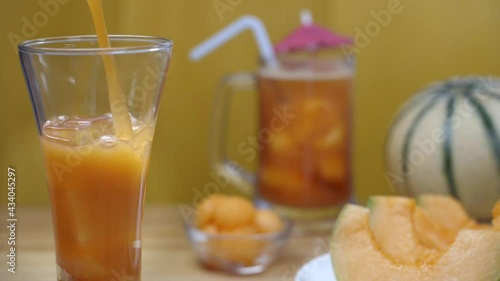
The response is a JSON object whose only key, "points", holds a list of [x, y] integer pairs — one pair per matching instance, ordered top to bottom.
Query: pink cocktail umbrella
{"points": [[310, 37]]}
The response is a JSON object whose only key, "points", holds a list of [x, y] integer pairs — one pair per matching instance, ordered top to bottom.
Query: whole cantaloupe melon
{"points": [[446, 140]]}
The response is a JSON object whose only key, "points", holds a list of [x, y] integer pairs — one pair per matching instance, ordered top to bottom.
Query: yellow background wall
{"points": [[426, 41]]}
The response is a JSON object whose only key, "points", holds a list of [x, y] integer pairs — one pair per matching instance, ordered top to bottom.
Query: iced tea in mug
{"points": [[304, 135], [306, 163]]}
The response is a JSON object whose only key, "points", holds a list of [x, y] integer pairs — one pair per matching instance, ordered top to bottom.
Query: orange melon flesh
{"points": [[447, 211], [496, 215], [438, 219], [391, 222], [430, 233], [357, 256], [474, 256]]}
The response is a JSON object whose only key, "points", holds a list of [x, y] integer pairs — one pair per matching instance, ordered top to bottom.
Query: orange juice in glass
{"points": [[96, 145]]}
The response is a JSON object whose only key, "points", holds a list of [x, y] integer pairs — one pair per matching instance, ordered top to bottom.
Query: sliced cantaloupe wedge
{"points": [[446, 211], [496, 216], [439, 218], [391, 222], [430, 233], [357, 256]]}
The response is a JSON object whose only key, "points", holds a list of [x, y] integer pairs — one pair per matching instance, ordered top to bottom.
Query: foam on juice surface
{"points": [[339, 73]]}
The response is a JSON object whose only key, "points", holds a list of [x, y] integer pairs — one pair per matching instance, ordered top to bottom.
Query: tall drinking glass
{"points": [[96, 170]]}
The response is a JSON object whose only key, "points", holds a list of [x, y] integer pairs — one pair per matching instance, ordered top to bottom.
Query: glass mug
{"points": [[304, 134], [95, 170]]}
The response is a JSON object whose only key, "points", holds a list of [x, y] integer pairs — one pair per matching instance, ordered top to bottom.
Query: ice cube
{"points": [[313, 105], [314, 118], [78, 131], [142, 137], [334, 138], [108, 140], [282, 143], [333, 168], [281, 179]]}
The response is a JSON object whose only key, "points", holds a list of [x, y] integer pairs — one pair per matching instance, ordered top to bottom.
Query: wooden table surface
{"points": [[167, 254]]}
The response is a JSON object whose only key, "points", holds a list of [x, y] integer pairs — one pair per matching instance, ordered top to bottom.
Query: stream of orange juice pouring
{"points": [[121, 120], [97, 197]]}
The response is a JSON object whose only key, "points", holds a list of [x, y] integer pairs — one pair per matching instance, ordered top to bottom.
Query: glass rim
{"points": [[151, 44]]}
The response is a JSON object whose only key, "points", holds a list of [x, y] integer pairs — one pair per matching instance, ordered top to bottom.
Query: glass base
{"points": [[307, 221], [237, 270], [62, 275]]}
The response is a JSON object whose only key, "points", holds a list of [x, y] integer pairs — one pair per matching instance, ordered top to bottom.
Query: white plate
{"points": [[317, 269]]}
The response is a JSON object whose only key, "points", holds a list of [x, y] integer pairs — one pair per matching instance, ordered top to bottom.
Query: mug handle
{"points": [[219, 161]]}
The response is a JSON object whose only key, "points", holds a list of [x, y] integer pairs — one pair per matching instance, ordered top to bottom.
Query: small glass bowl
{"points": [[241, 254]]}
